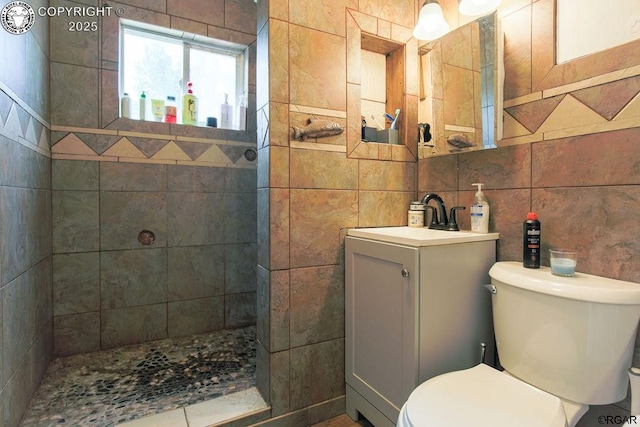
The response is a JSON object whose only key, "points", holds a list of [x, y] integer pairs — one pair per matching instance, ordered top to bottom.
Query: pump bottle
{"points": [[189, 107], [226, 113], [479, 212]]}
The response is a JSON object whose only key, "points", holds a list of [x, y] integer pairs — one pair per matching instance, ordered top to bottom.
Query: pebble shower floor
{"points": [[113, 386]]}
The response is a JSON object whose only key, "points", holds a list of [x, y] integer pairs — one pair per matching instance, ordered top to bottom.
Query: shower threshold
{"points": [[119, 385]]}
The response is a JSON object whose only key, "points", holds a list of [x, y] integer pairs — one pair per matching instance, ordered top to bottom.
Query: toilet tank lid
{"points": [[581, 286]]}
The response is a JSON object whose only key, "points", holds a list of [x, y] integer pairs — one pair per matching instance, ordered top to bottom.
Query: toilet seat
{"points": [[480, 396]]}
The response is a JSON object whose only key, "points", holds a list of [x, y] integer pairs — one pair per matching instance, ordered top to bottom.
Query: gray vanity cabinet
{"points": [[414, 310]]}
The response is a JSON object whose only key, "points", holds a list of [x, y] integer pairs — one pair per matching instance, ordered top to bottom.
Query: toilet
{"points": [[564, 342]]}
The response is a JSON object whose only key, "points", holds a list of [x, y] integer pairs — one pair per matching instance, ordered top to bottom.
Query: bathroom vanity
{"points": [[415, 308]]}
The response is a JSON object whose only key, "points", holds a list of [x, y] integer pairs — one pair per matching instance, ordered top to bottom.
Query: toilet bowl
{"points": [[555, 341], [483, 397]]}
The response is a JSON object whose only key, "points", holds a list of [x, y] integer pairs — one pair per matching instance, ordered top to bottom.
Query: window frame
{"points": [[189, 41]]}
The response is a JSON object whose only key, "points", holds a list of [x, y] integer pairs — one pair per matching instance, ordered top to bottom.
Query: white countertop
{"points": [[419, 236]]}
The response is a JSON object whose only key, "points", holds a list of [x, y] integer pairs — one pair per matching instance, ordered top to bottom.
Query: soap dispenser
{"points": [[479, 212]]}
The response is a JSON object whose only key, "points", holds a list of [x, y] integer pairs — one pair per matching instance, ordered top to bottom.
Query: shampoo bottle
{"points": [[125, 106], [143, 106], [189, 107], [226, 113], [242, 113], [479, 212], [531, 242]]}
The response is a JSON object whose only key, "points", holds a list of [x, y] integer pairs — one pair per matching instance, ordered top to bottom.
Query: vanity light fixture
{"points": [[478, 7], [431, 23]]}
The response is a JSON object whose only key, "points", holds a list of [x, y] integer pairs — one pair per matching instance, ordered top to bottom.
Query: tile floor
{"points": [[123, 384]]}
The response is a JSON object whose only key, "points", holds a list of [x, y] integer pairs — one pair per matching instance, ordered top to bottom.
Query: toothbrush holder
{"points": [[389, 136]]}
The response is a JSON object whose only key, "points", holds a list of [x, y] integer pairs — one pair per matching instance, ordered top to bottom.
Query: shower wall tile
{"points": [[206, 11], [66, 46], [80, 110], [22, 167], [74, 175], [116, 176], [195, 179], [240, 180], [123, 215], [240, 217], [195, 218], [76, 225], [25, 229], [263, 237], [240, 263], [195, 272], [132, 278], [76, 283], [263, 305], [316, 305], [240, 309], [195, 316], [133, 325], [76, 333], [317, 373], [280, 375]]}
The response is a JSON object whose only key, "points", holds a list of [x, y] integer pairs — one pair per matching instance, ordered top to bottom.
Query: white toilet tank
{"points": [[570, 336]]}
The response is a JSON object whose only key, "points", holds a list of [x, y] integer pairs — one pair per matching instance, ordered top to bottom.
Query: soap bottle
{"points": [[125, 106], [143, 106], [189, 107], [226, 113], [479, 212], [531, 242]]}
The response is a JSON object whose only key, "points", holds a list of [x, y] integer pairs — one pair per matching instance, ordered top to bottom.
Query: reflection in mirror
{"points": [[458, 75]]}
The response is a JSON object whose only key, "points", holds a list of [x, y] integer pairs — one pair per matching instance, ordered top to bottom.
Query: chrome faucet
{"points": [[439, 219]]}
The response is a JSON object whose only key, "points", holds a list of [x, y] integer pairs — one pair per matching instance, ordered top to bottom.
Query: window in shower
{"points": [[161, 62]]}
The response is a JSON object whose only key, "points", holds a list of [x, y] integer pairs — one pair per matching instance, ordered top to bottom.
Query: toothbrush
{"points": [[389, 117], [395, 121], [377, 122]]}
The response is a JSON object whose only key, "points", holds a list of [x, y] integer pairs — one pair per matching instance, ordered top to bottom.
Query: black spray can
{"points": [[531, 242]]}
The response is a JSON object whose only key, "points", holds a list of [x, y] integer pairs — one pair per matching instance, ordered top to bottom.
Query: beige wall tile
{"points": [[401, 12], [325, 15], [317, 65], [278, 71], [323, 169], [390, 176], [383, 208], [279, 219], [316, 219], [316, 304], [317, 373]]}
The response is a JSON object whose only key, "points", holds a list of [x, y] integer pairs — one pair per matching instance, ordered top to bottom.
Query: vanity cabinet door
{"points": [[381, 283]]}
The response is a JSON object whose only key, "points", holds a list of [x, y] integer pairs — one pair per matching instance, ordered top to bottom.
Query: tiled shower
{"points": [[198, 275]]}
